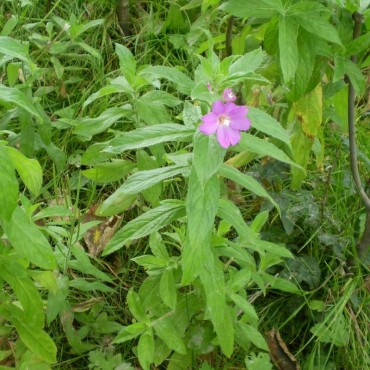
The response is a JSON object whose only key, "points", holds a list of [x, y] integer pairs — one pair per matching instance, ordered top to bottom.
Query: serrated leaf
{"points": [[253, 8], [288, 48], [14, 49], [127, 62], [183, 83], [16, 97], [263, 122], [148, 136], [264, 149], [29, 170], [109, 172], [246, 181], [8, 186], [146, 224], [28, 240], [167, 289], [247, 307], [130, 332], [169, 334], [253, 335], [145, 349]]}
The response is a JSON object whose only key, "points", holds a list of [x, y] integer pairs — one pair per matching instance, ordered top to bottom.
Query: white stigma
{"points": [[224, 120]]}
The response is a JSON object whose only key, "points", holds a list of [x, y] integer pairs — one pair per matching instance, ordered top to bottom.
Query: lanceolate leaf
{"points": [[253, 8], [13, 48], [288, 49], [16, 97], [263, 122], [149, 136], [264, 148], [29, 170], [109, 172], [246, 181], [138, 182], [8, 186], [146, 224], [29, 241], [32, 336]]}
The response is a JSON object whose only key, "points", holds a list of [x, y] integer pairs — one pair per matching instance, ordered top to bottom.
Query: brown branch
{"points": [[364, 243]]}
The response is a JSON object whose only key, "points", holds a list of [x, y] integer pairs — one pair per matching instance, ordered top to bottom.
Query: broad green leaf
{"points": [[253, 8], [308, 14], [91, 24], [9, 25], [359, 45], [288, 48], [14, 49], [127, 62], [355, 75], [183, 83], [118, 85], [16, 97], [151, 112], [263, 122], [87, 127], [148, 136], [264, 149], [94, 154], [208, 156], [29, 170], [109, 172], [246, 181], [138, 182], [8, 186], [201, 207], [229, 212], [146, 224], [28, 240], [150, 262], [83, 264], [212, 278], [86, 286], [24, 289], [167, 289], [56, 300], [135, 306], [247, 307], [130, 332], [169, 334], [31, 335], [253, 335], [145, 349], [261, 361]]}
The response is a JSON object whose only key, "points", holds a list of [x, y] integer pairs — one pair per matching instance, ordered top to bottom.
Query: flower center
{"points": [[223, 120]]}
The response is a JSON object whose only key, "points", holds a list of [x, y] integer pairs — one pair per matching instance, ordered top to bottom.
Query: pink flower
{"points": [[228, 95], [226, 120]]}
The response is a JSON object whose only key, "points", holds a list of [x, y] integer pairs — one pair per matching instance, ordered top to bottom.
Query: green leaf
{"points": [[253, 8], [308, 15], [288, 48], [14, 49], [127, 62], [355, 75], [182, 82], [16, 97], [263, 122], [87, 127], [148, 136], [264, 149], [94, 154], [208, 156], [29, 170], [109, 172], [246, 181], [138, 182], [8, 186], [201, 207], [146, 224], [28, 240], [150, 262], [16, 276], [212, 278], [87, 286], [167, 289], [57, 299], [135, 306], [247, 307], [130, 332], [169, 334], [31, 335], [253, 335], [145, 349], [261, 361]]}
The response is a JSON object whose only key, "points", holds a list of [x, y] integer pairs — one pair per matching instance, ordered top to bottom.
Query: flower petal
{"points": [[228, 95], [218, 107], [239, 111], [210, 123], [243, 124], [227, 136]]}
